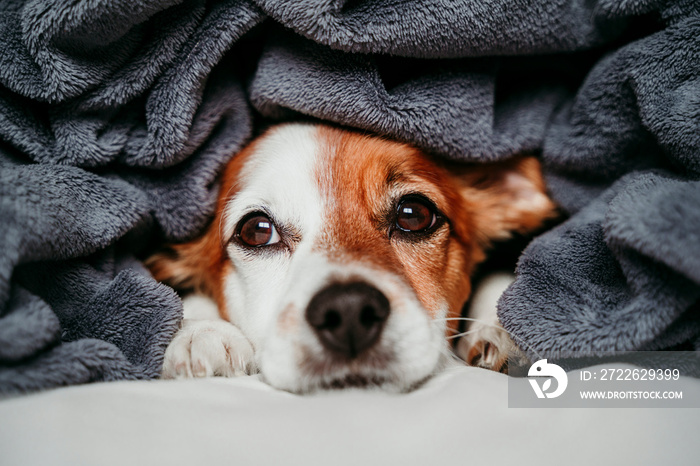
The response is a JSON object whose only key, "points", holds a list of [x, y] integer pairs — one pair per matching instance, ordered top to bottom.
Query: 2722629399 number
{"points": [[639, 374]]}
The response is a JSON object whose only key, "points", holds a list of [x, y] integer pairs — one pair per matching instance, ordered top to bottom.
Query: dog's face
{"points": [[341, 256]]}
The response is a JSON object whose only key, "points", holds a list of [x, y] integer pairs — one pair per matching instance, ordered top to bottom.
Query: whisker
{"points": [[453, 318], [466, 319], [469, 319], [453, 330], [461, 334], [515, 338], [522, 344]]}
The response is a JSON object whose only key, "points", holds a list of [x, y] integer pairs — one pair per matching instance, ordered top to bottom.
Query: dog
{"points": [[340, 259]]}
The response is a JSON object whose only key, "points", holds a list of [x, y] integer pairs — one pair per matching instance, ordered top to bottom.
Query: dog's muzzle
{"points": [[348, 318]]}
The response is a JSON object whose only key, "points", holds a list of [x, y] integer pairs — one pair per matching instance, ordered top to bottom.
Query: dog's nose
{"points": [[348, 318]]}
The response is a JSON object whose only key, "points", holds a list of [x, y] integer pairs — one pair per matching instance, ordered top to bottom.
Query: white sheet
{"points": [[460, 417]]}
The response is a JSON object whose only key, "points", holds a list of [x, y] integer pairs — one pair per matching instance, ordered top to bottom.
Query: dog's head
{"points": [[341, 256]]}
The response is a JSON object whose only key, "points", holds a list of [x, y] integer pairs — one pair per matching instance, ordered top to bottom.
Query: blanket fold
{"points": [[446, 29], [449, 108], [116, 117], [602, 281]]}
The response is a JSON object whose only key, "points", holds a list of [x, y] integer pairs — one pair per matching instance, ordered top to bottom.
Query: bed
{"points": [[459, 417]]}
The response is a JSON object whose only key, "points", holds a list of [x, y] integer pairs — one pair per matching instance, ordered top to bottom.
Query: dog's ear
{"points": [[505, 197], [196, 265]]}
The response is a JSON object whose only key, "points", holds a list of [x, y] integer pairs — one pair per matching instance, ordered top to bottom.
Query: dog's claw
{"points": [[488, 347], [205, 348]]}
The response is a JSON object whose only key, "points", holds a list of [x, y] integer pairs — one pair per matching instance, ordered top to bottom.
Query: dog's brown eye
{"points": [[415, 214], [258, 230]]}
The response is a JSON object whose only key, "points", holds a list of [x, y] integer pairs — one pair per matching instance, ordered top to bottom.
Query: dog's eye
{"points": [[415, 214], [258, 230]]}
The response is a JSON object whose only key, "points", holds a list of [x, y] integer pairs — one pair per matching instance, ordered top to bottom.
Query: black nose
{"points": [[348, 318]]}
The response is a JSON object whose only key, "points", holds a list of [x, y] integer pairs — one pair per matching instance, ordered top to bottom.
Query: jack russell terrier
{"points": [[340, 259]]}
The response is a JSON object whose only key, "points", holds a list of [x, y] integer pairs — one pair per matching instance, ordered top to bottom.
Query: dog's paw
{"points": [[488, 347], [204, 348]]}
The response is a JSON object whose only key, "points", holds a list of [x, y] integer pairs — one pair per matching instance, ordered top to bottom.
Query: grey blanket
{"points": [[115, 118]]}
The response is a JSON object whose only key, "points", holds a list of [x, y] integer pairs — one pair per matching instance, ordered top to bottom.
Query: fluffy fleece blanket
{"points": [[115, 117]]}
